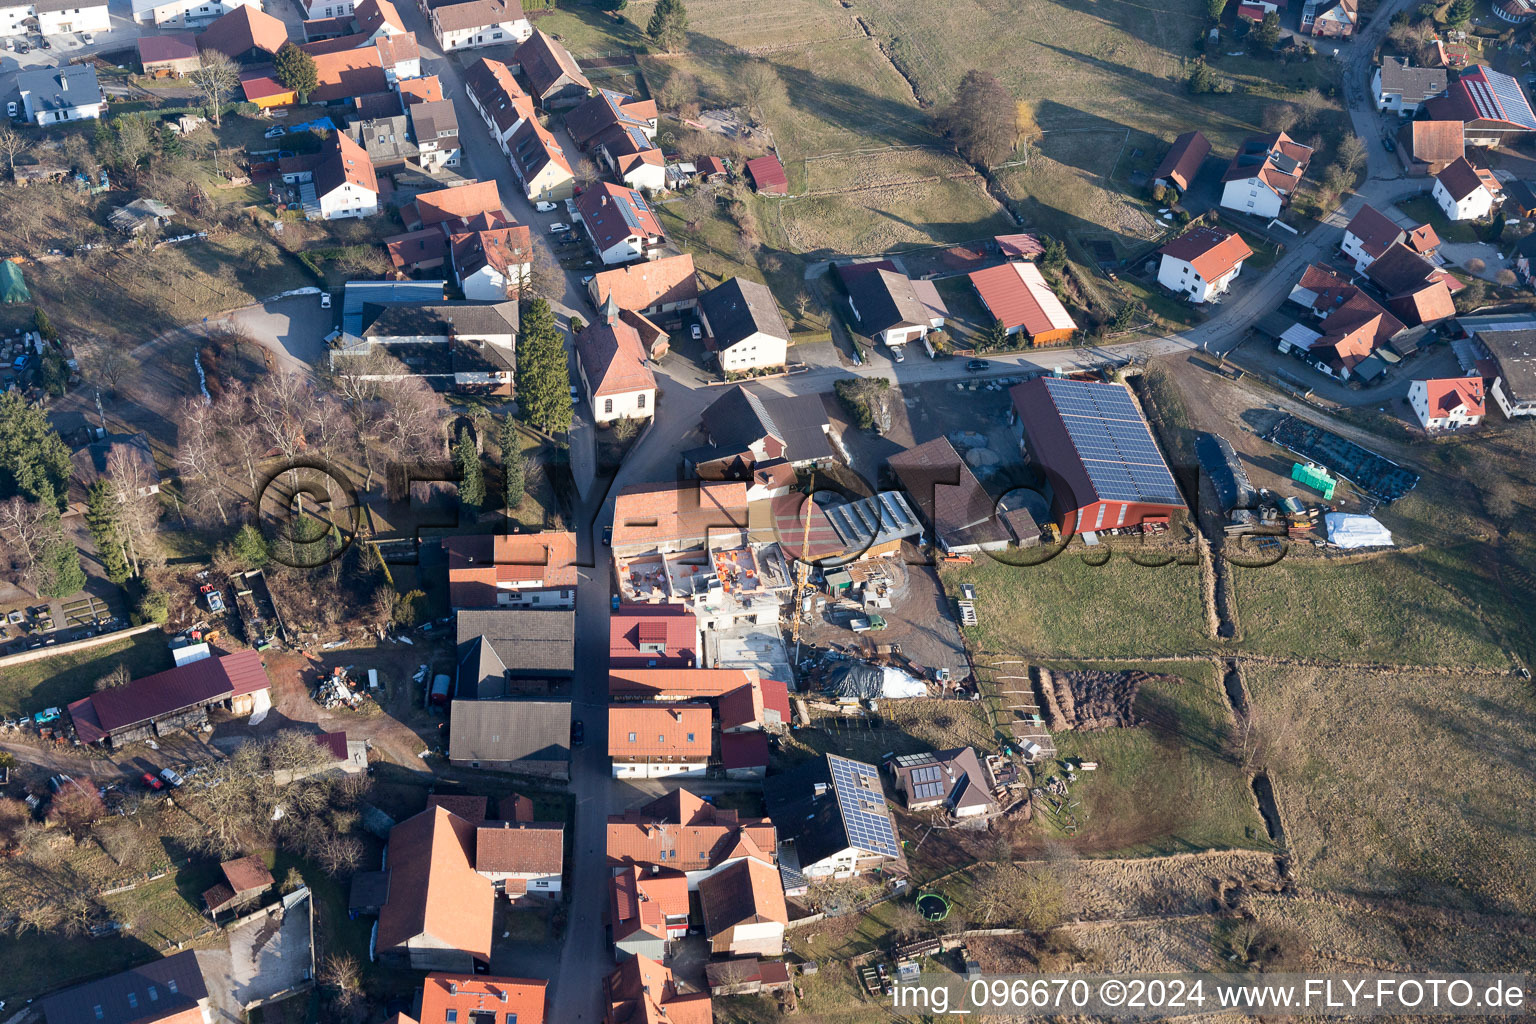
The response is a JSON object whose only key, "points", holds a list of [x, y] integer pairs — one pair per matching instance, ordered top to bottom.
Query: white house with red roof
{"points": [[1263, 174], [344, 179], [1466, 191], [621, 223], [1371, 233], [1202, 263], [611, 358], [1448, 403]]}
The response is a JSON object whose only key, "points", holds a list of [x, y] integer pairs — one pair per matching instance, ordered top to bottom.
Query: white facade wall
{"points": [[180, 12], [75, 19], [506, 33], [1251, 195], [348, 200], [1472, 207], [1181, 276], [756, 350], [1418, 399], [653, 770]]}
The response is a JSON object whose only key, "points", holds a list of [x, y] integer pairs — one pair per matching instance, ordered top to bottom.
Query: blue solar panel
{"points": [[1508, 102], [1116, 447], [862, 802]]}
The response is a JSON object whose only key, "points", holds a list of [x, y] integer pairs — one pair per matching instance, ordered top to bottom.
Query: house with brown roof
{"points": [[1332, 19], [473, 23], [247, 33], [169, 56], [554, 78], [1398, 85], [498, 98], [435, 123], [620, 131], [1430, 145], [1185, 158], [540, 163], [1263, 174], [344, 179], [1466, 191], [456, 207], [621, 223], [1371, 233], [417, 251], [491, 260], [1202, 263], [652, 288], [1417, 291], [1017, 296], [889, 309], [743, 326], [1346, 327], [612, 360], [1448, 403], [962, 516], [668, 517], [518, 570], [652, 636], [176, 699], [762, 705], [657, 741], [955, 780], [681, 832], [521, 858], [245, 879], [647, 910], [744, 910], [438, 912], [170, 990], [642, 991]]}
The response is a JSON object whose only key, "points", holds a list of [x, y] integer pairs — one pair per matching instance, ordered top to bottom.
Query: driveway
{"points": [[294, 328], [270, 954]]}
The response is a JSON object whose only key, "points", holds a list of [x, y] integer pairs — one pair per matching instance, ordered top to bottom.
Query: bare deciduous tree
{"points": [[216, 77], [13, 144]]}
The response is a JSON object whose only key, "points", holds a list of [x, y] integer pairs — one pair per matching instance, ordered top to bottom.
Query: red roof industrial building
{"points": [[1098, 454]]}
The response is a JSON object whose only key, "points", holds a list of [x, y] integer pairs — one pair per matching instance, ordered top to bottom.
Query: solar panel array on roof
{"points": [[1499, 97], [1113, 441], [873, 520], [927, 782], [862, 802]]}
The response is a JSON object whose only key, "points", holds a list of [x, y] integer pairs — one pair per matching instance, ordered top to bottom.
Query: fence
{"points": [[75, 645]]}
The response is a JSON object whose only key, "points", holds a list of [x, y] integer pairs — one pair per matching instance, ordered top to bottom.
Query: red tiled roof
{"points": [[372, 14], [245, 28], [173, 46], [545, 62], [348, 74], [261, 83], [427, 89], [1438, 141], [1184, 158], [1257, 158], [343, 161], [768, 175], [461, 203], [612, 213], [1377, 232], [1423, 239], [1021, 246], [415, 247], [1211, 251], [652, 283], [1017, 294], [613, 359], [1447, 395], [678, 511], [476, 564], [671, 626], [677, 683], [164, 693], [752, 703], [659, 730], [744, 750], [471, 808], [682, 832], [522, 847], [246, 873], [433, 887], [748, 892], [641, 901], [642, 991], [522, 999]]}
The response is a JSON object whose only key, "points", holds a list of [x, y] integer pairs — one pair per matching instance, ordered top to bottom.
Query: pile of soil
{"points": [[1090, 699]]}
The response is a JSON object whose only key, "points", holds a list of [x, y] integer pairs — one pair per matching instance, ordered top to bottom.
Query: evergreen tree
{"points": [[1215, 8], [1460, 13], [668, 27], [1267, 35], [296, 70], [1054, 256], [43, 324], [996, 337], [543, 374], [33, 460], [512, 463], [471, 475], [103, 513], [250, 547], [60, 571]]}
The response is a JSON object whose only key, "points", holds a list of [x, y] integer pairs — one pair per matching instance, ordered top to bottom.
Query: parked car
{"points": [[88, 38], [10, 109], [276, 132], [1389, 144], [544, 207], [558, 226], [325, 300], [696, 332], [897, 355], [20, 363], [976, 366], [575, 393], [607, 536], [578, 733], [171, 776], [150, 782]]}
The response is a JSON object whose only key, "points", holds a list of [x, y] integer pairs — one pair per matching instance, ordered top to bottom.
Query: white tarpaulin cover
{"points": [[1352, 531], [859, 681]]}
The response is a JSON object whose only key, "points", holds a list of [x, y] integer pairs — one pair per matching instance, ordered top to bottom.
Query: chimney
{"points": [[819, 789], [453, 988]]}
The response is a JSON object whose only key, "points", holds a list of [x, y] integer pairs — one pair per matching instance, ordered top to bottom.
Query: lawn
{"points": [[1426, 211], [888, 218], [1067, 608], [1393, 609], [54, 682], [1404, 782], [1169, 785]]}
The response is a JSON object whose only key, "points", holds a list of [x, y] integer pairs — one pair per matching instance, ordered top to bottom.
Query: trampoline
{"points": [[932, 906]]}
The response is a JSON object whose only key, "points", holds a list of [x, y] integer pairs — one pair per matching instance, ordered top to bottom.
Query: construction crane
{"points": [[803, 567]]}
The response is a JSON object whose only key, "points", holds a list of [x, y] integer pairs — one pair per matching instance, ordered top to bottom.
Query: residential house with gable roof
{"points": [[181, 12], [54, 17], [1333, 19], [469, 24], [246, 34], [168, 56], [554, 78], [1399, 86], [494, 93], [54, 95], [1492, 107], [435, 125], [620, 131], [1431, 145], [540, 163], [1264, 173], [1466, 191], [621, 223], [1371, 233], [1202, 263], [652, 288], [1417, 291], [889, 309], [743, 325], [1347, 329], [467, 347], [612, 359], [1448, 403], [746, 429], [962, 516], [516, 570], [652, 636], [504, 652], [657, 741], [956, 780], [833, 822], [681, 832], [521, 858], [744, 910], [438, 911], [647, 911], [170, 990], [642, 991], [480, 999]]}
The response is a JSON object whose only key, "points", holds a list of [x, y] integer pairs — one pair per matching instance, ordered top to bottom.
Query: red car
{"points": [[152, 782]]}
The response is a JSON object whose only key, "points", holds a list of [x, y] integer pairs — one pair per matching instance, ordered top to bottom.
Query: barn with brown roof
{"points": [[246, 33], [169, 56], [554, 77], [1184, 160], [768, 175], [177, 698], [744, 910], [438, 914]]}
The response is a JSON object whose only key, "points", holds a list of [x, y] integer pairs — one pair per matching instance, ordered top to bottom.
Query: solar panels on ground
{"points": [[1113, 441], [862, 802]]}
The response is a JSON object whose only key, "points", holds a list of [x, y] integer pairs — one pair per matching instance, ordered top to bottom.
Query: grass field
{"points": [[1067, 608], [1391, 609], [54, 682], [1404, 784], [1168, 785]]}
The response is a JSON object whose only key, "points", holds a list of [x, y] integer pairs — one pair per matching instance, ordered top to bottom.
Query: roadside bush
{"points": [[862, 397]]}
